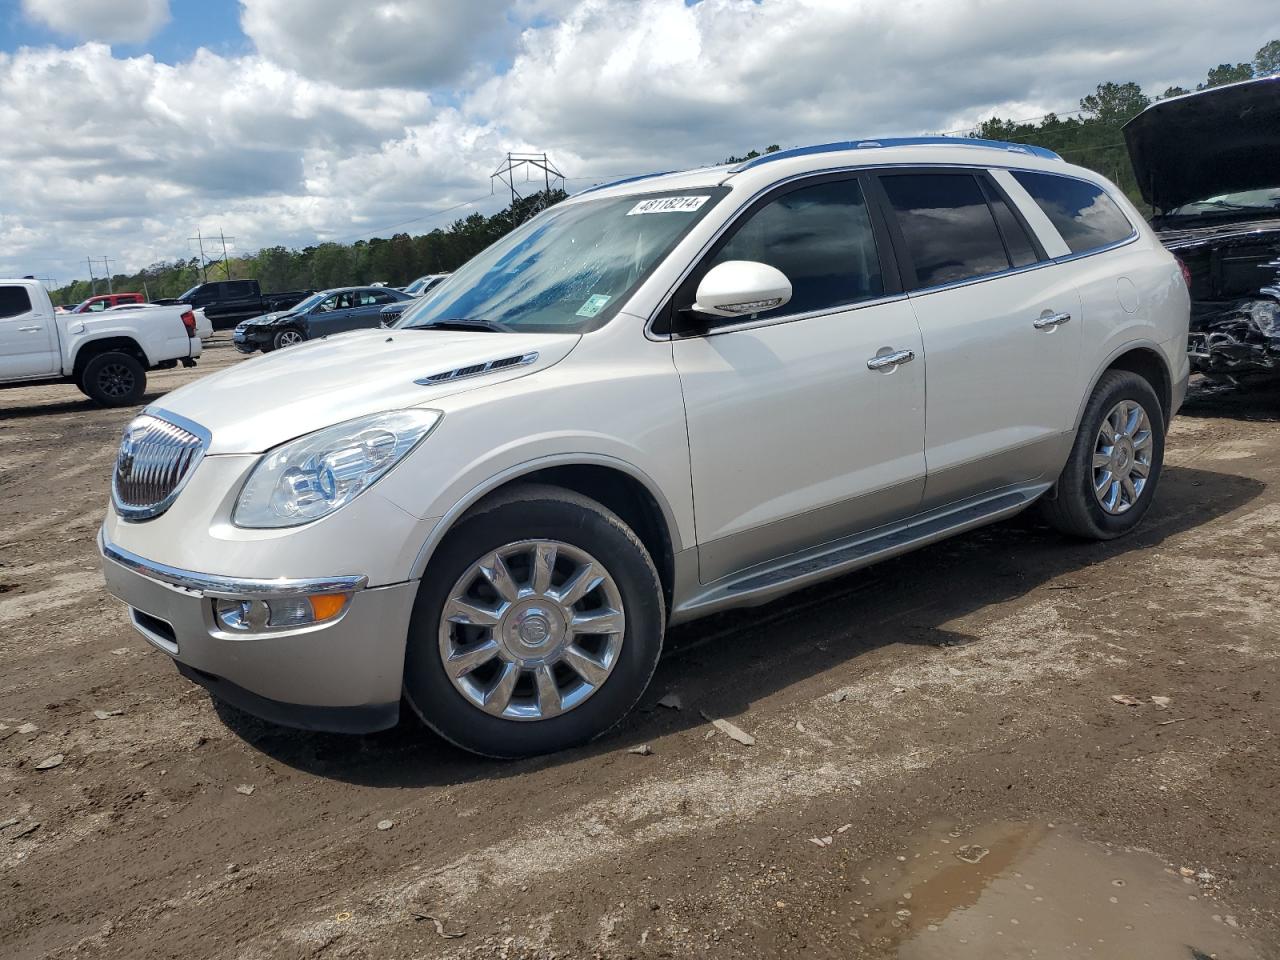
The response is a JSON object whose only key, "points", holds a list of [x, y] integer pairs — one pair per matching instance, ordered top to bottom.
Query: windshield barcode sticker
{"points": [[668, 205]]}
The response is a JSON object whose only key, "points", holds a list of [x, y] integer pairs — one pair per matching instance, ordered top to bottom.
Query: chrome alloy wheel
{"points": [[288, 338], [1122, 457], [532, 630]]}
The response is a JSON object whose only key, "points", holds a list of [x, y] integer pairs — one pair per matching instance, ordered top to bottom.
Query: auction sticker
{"points": [[668, 205], [595, 303]]}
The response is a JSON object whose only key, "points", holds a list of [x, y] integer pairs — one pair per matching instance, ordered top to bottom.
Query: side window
{"points": [[1083, 213], [949, 230], [821, 238], [1017, 241], [377, 298], [14, 301], [329, 303], [98, 306]]}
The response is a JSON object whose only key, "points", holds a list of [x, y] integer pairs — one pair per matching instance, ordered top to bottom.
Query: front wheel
{"points": [[288, 337], [114, 379], [1111, 476], [537, 627]]}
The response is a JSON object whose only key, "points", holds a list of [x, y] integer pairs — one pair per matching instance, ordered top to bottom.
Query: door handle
{"points": [[1050, 320], [30, 329], [890, 360]]}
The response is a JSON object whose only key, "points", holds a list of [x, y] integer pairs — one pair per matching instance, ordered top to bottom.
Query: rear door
{"points": [[368, 308], [1001, 329], [28, 336], [793, 439]]}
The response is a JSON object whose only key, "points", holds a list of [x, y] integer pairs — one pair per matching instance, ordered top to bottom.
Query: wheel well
{"points": [[105, 345], [1151, 367], [625, 496]]}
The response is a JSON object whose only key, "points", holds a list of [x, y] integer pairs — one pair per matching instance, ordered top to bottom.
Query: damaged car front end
{"points": [[1207, 163]]}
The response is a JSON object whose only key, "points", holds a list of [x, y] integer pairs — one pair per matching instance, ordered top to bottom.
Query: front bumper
{"points": [[247, 341], [342, 675]]}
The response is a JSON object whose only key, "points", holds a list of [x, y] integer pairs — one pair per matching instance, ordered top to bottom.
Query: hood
{"points": [[1221, 140], [267, 319], [260, 403]]}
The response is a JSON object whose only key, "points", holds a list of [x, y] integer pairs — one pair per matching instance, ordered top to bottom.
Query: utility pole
{"points": [[528, 162], [226, 261], [204, 267], [107, 270], [93, 281]]}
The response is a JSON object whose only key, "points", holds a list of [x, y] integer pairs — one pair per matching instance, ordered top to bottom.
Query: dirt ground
{"points": [[959, 698]]}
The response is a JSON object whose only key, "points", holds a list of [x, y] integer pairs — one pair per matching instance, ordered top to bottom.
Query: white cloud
{"points": [[111, 21], [391, 43], [340, 125]]}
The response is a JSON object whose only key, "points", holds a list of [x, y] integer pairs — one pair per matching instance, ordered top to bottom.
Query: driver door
{"points": [[330, 315], [794, 441]]}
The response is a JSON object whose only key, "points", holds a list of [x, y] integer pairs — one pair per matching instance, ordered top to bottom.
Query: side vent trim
{"points": [[477, 369]]}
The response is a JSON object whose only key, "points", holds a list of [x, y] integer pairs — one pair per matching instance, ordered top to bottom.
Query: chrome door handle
{"points": [[1052, 320], [30, 329], [891, 359]]}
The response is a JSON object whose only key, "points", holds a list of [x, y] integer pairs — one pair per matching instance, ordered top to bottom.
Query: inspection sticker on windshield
{"points": [[668, 205], [595, 303]]}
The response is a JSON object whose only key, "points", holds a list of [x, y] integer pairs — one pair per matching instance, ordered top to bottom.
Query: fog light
{"points": [[246, 616]]}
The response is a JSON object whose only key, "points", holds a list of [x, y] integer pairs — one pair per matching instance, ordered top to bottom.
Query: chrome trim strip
{"points": [[870, 168], [787, 318], [213, 585]]}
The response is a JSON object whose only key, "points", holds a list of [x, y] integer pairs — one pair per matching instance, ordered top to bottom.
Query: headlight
{"points": [[311, 477]]}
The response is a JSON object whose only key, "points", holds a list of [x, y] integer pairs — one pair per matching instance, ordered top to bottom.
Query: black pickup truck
{"points": [[226, 302]]}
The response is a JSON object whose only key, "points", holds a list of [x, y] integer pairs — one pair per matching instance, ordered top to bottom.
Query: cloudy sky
{"points": [[128, 124]]}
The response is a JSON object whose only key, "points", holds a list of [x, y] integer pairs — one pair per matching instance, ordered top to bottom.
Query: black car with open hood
{"points": [[1209, 165]]}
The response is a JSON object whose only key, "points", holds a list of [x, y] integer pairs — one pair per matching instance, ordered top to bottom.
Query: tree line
{"points": [[1091, 139]]}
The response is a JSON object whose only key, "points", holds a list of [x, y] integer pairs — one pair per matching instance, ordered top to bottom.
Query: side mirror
{"points": [[738, 287]]}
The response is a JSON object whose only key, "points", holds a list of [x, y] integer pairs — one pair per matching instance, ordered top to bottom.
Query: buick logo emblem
{"points": [[124, 459]]}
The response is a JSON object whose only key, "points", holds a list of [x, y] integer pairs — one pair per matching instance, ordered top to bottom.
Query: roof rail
{"points": [[1025, 148], [614, 183]]}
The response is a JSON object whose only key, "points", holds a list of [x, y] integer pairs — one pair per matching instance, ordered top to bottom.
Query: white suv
{"points": [[654, 401]]}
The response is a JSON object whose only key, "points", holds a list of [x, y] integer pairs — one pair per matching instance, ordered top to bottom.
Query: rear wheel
{"points": [[114, 379], [1111, 476], [537, 626]]}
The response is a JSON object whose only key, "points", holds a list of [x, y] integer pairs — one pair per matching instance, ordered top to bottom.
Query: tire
{"points": [[288, 337], [114, 379], [1077, 510], [517, 522]]}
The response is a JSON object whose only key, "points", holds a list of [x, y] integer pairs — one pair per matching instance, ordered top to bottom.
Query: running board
{"points": [[766, 582]]}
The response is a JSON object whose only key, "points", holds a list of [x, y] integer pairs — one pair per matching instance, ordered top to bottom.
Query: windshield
{"points": [[1266, 199], [569, 269], [417, 285], [187, 295], [305, 305]]}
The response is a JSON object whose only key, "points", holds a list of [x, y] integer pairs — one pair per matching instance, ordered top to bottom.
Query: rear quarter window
{"points": [[1081, 211], [14, 301]]}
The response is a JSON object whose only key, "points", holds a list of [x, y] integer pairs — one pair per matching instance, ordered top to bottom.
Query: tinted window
{"points": [[1083, 213], [949, 230], [821, 238], [1017, 242], [14, 301]]}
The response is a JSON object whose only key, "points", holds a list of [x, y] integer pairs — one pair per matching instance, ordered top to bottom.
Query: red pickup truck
{"points": [[104, 300]]}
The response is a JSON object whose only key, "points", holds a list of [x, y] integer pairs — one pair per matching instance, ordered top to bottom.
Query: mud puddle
{"points": [[1011, 891]]}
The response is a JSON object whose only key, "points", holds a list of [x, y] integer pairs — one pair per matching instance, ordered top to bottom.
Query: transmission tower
{"points": [[530, 163]]}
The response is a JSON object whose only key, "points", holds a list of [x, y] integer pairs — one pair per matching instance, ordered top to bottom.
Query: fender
{"points": [[1142, 343], [477, 493]]}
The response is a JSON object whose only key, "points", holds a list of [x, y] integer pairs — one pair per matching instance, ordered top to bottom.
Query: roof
{"points": [[845, 153]]}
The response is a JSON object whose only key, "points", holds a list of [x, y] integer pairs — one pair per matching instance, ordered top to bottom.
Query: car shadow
{"points": [[80, 405], [723, 663]]}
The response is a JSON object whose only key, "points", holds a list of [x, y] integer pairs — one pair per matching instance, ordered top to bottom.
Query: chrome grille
{"points": [[155, 459]]}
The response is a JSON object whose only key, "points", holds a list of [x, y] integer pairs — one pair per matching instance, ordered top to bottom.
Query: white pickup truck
{"points": [[107, 355]]}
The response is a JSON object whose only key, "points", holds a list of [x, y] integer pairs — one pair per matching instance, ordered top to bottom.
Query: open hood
{"points": [[1222, 140], [262, 402]]}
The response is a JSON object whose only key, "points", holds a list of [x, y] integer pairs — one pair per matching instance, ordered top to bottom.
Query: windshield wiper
{"points": [[463, 323]]}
